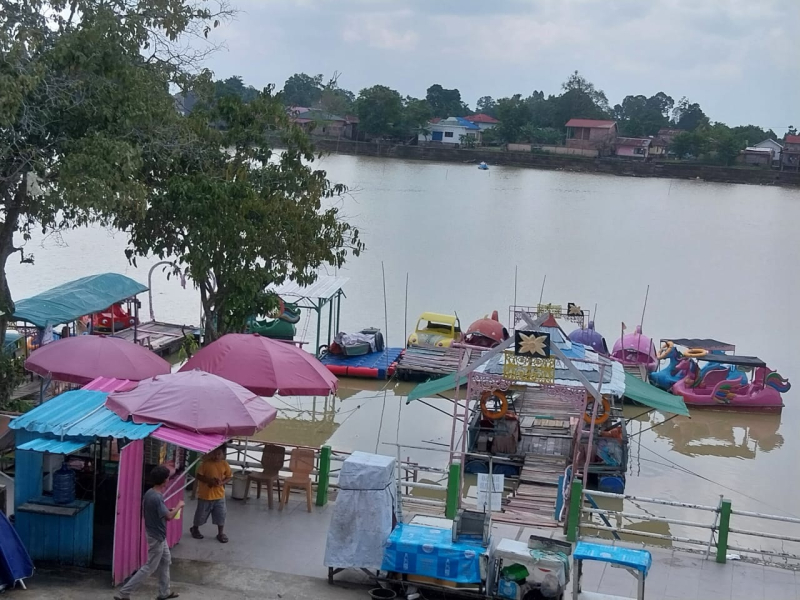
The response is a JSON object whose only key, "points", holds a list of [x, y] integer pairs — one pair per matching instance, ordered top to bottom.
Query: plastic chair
{"points": [[271, 462], [301, 463]]}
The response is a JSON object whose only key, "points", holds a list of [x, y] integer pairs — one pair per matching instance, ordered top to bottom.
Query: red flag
{"points": [[623, 326]]}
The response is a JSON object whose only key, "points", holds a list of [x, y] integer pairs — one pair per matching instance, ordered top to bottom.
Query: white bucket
{"points": [[238, 486]]}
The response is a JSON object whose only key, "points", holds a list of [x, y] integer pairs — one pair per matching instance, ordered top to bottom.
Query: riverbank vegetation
{"points": [[89, 132]]}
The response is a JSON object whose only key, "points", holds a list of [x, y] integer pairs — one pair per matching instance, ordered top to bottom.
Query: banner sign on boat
{"points": [[554, 309], [532, 343], [541, 370]]}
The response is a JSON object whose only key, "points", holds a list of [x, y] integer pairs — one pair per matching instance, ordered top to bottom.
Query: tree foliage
{"points": [[234, 86], [302, 90], [335, 100], [446, 103], [487, 106], [380, 111], [416, 115], [688, 115], [639, 116], [86, 119], [239, 218]]}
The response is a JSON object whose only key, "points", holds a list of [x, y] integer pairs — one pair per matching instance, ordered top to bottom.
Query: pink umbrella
{"points": [[83, 358], [264, 366], [196, 401]]}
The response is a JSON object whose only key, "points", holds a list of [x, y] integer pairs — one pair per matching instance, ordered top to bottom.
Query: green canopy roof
{"points": [[69, 301], [434, 387], [651, 396]]}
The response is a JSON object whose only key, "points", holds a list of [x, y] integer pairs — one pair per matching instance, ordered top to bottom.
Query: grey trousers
{"points": [[158, 561]]}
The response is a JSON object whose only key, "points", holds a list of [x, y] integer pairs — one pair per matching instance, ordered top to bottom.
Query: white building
{"points": [[450, 131], [774, 146]]}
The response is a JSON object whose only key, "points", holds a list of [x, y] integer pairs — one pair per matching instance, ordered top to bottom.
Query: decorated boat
{"points": [[113, 319], [281, 327], [486, 332], [589, 336], [634, 349], [677, 368], [713, 387]]}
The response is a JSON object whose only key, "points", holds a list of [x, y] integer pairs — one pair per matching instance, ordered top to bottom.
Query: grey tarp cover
{"points": [[69, 301], [362, 514]]}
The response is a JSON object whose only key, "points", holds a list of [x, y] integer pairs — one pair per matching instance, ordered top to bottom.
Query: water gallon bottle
{"points": [[64, 485]]}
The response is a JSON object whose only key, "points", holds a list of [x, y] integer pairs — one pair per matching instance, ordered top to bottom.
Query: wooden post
{"points": [[324, 475], [453, 490], [575, 503], [724, 526]]}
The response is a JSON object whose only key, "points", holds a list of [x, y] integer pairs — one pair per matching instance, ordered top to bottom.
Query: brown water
{"points": [[718, 259]]}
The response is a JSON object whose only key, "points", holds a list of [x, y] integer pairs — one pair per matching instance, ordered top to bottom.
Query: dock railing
{"points": [[713, 524]]}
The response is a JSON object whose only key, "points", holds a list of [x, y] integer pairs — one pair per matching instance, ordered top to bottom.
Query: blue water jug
{"points": [[64, 485]]}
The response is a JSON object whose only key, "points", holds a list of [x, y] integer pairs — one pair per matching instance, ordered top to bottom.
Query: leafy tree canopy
{"points": [[234, 86], [302, 90], [446, 103], [487, 106], [380, 111], [688, 115]]}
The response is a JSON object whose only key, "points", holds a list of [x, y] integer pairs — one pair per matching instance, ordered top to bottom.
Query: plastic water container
{"points": [[64, 485]]}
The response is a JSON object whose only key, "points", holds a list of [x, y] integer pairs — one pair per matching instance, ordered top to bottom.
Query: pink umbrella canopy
{"points": [[84, 358], [264, 366], [196, 401]]}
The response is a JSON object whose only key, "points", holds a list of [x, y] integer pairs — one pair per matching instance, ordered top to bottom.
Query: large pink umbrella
{"points": [[84, 358], [264, 366], [196, 401]]}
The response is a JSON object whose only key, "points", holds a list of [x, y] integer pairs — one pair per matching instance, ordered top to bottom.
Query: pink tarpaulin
{"points": [[83, 358], [264, 366], [194, 400]]}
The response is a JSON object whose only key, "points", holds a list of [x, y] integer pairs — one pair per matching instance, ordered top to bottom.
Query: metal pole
{"points": [[318, 308], [338, 310], [330, 321]]}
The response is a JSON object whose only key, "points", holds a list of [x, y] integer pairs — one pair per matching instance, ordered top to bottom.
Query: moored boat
{"points": [[486, 332], [589, 336], [634, 349]]}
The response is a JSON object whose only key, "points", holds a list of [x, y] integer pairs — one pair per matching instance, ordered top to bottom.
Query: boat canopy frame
{"points": [[325, 291], [702, 343]]}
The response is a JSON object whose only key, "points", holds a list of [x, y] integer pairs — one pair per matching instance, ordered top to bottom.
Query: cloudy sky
{"points": [[737, 58]]}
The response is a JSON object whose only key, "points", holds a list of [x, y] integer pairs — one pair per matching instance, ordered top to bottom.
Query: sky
{"points": [[737, 58]]}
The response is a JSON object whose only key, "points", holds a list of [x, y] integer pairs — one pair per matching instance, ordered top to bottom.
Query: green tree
{"points": [[234, 86], [302, 90], [580, 99], [335, 100], [446, 103], [487, 106], [380, 111], [514, 114], [688, 115], [416, 116], [642, 116], [87, 124], [752, 134], [691, 144], [239, 218]]}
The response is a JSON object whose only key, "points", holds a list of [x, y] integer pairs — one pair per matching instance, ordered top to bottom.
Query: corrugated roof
{"points": [[481, 118], [595, 123], [791, 139], [635, 142], [759, 150], [325, 287], [109, 384], [80, 413], [191, 440], [54, 445]]}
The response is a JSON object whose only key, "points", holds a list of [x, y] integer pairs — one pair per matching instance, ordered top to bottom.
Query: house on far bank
{"points": [[483, 121], [318, 122], [450, 131], [591, 134], [668, 134], [629, 147], [659, 147], [776, 148], [790, 155], [759, 157]]}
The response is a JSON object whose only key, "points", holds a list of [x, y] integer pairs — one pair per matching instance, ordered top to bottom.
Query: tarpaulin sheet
{"points": [[69, 301], [362, 514], [431, 552]]}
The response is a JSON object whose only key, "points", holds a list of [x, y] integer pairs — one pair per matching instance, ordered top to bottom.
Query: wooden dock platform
{"points": [[162, 338], [419, 362]]}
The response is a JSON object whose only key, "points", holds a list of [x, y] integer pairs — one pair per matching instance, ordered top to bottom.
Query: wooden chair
{"points": [[272, 462], [301, 463]]}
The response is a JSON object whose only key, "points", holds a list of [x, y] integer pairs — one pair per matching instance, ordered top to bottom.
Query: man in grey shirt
{"points": [[156, 515]]}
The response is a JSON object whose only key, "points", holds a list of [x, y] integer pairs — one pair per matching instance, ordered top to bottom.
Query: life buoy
{"points": [[665, 350], [695, 352], [494, 414], [602, 414]]}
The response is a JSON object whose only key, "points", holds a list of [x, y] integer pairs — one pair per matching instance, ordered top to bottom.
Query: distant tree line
{"points": [[539, 119]]}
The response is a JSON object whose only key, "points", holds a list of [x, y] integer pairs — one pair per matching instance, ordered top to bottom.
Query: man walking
{"points": [[156, 515]]}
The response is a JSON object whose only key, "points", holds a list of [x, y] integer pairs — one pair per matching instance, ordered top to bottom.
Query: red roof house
{"points": [[482, 118], [591, 134], [790, 155]]}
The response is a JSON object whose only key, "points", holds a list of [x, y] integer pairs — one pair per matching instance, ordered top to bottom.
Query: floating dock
{"points": [[162, 338], [375, 365]]}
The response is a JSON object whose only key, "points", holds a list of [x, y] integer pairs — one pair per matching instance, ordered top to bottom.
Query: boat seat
{"points": [[638, 562]]}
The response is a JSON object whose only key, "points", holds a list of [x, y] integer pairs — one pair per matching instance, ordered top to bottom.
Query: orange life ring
{"points": [[665, 350], [695, 353], [494, 414], [602, 415]]}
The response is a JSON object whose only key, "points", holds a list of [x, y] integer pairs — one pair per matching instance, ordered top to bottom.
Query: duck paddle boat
{"points": [[483, 166], [486, 332], [589, 336], [634, 349], [714, 389]]}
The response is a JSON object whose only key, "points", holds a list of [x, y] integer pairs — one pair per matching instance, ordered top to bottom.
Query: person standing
{"points": [[212, 475], [156, 515]]}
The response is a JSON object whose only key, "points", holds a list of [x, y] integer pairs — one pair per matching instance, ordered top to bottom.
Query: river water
{"points": [[718, 259]]}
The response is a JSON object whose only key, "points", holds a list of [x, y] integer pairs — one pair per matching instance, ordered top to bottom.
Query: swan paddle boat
{"points": [[677, 368], [713, 388]]}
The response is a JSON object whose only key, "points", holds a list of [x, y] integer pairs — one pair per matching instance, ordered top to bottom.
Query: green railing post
{"points": [[324, 475], [453, 490], [574, 515], [722, 533]]}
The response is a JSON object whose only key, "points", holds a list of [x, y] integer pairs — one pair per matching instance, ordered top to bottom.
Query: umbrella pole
{"points": [[244, 462], [189, 480]]}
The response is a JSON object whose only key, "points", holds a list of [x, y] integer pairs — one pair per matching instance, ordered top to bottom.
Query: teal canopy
{"points": [[70, 301], [434, 387], [651, 396]]}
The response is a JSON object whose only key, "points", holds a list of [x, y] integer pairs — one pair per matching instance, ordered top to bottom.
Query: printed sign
{"points": [[533, 344]]}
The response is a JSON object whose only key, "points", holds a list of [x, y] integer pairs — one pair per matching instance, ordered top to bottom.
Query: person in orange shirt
{"points": [[212, 475]]}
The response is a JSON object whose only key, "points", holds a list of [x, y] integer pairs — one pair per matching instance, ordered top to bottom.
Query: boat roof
{"points": [[74, 299], [439, 318], [704, 343], [732, 359]]}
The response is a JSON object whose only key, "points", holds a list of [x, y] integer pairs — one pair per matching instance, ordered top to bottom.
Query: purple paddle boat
{"points": [[590, 337], [636, 349]]}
